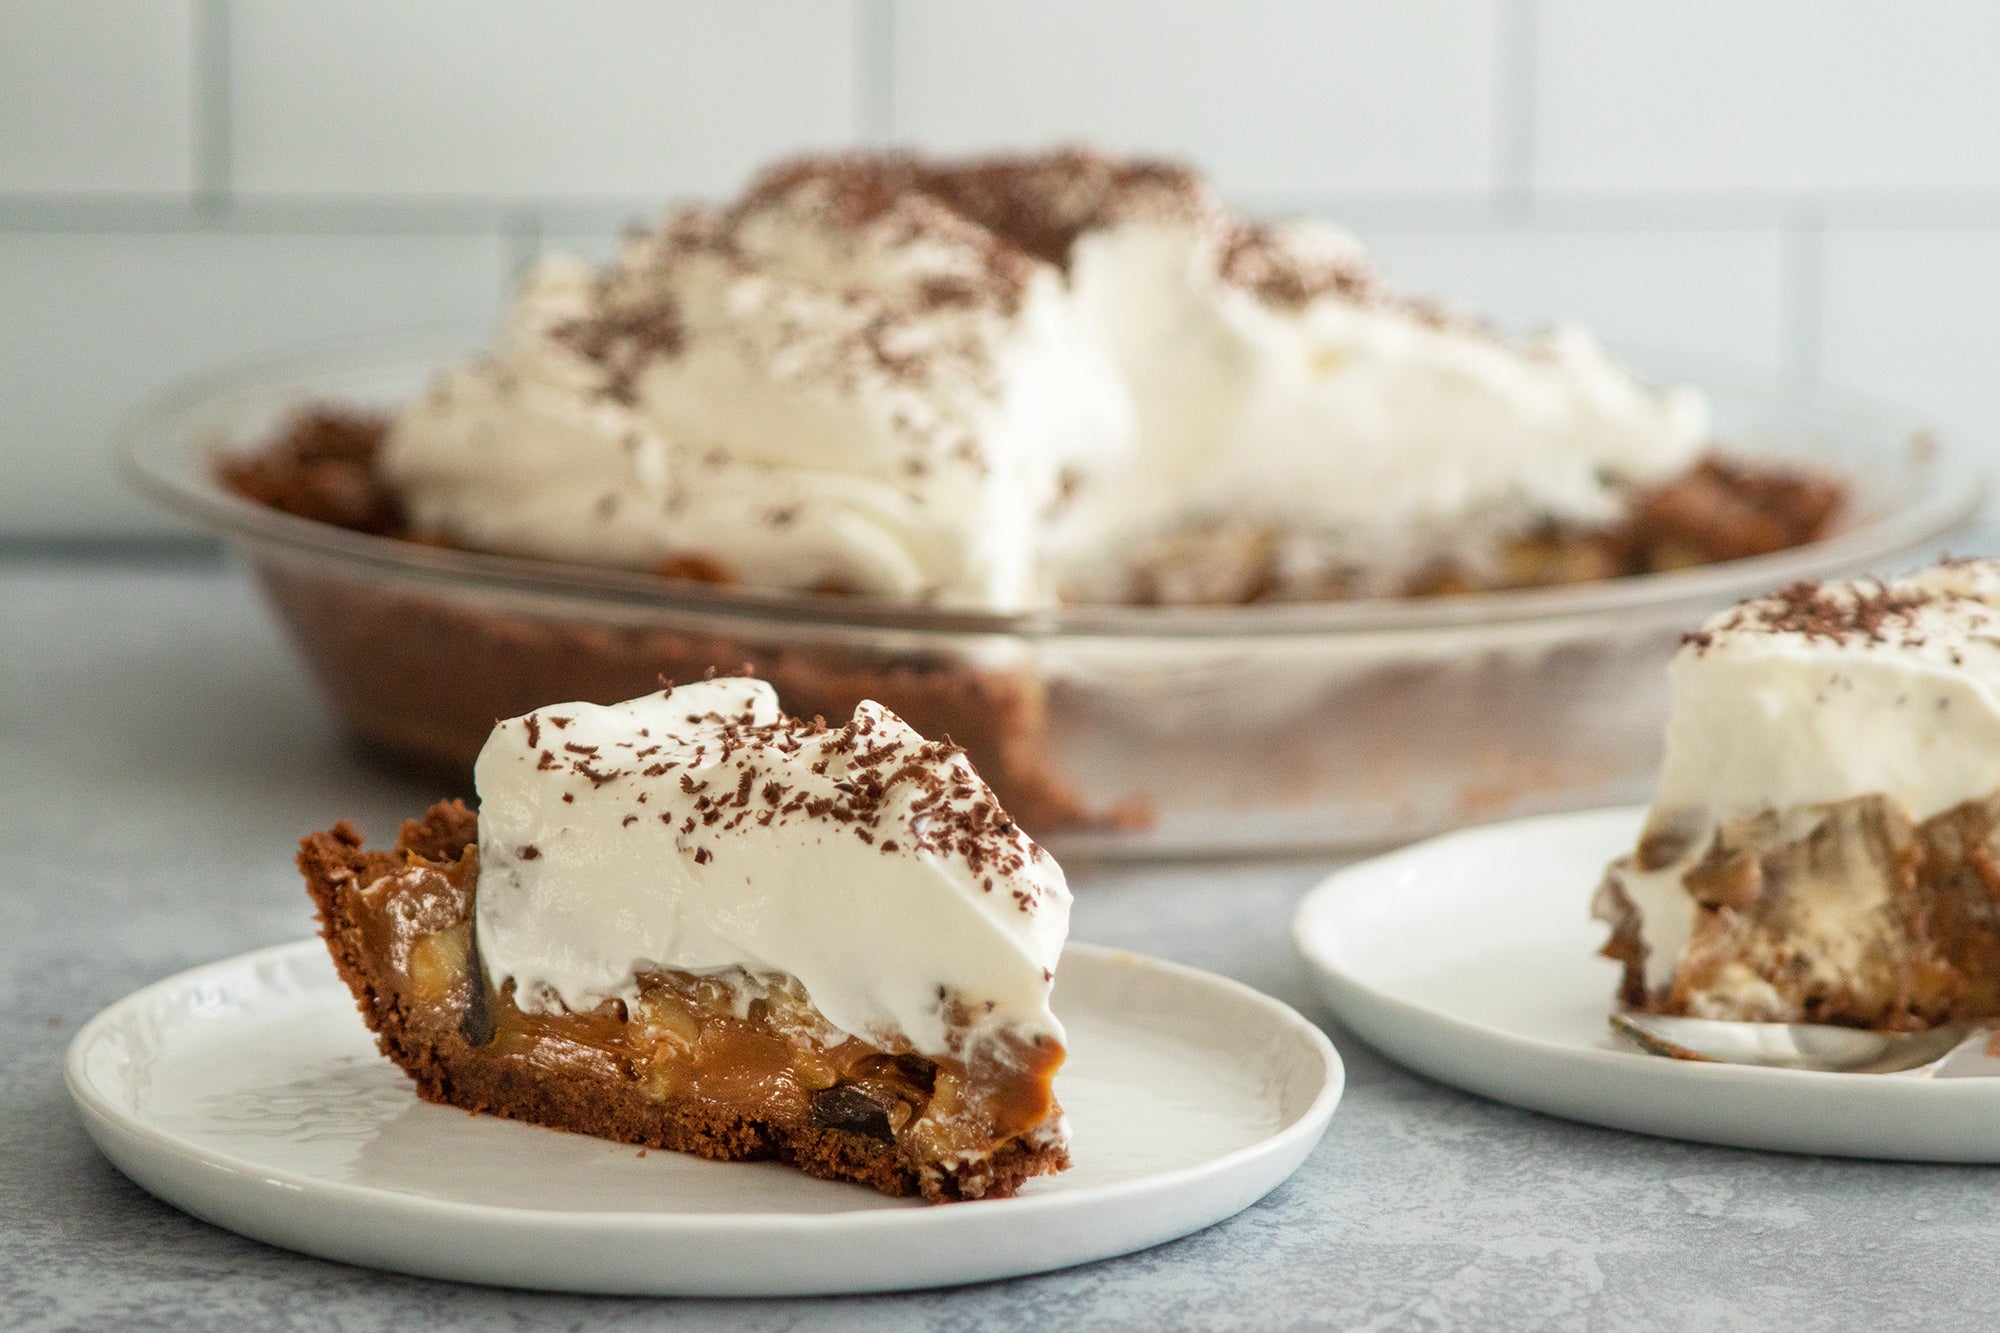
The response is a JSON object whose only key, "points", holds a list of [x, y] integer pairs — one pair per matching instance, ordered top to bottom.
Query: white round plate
{"points": [[1472, 958], [249, 1093]]}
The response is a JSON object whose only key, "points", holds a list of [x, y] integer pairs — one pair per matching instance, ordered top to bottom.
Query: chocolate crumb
{"points": [[625, 341]]}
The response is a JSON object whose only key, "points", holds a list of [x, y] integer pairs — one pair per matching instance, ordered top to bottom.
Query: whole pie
{"points": [[1002, 385], [1825, 843], [689, 921]]}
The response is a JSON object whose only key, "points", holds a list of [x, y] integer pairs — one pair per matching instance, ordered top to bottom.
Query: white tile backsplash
{"points": [[96, 95], [1270, 95], [1764, 95], [511, 97], [1797, 183], [1717, 295], [1915, 315], [95, 320]]}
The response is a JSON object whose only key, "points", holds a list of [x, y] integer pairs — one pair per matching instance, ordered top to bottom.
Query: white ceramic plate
{"points": [[1472, 958], [249, 1093]]}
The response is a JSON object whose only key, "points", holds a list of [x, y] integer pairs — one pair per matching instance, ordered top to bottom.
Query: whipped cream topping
{"points": [[999, 384], [1305, 427], [1816, 694], [701, 830]]}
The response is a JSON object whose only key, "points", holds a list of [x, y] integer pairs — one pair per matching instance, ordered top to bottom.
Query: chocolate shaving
{"points": [[625, 341], [1863, 610]]}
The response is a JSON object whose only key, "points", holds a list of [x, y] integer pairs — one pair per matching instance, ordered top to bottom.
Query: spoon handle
{"points": [[1983, 1040]]}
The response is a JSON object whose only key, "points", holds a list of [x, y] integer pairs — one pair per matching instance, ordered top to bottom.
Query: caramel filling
{"points": [[1847, 912], [742, 1045]]}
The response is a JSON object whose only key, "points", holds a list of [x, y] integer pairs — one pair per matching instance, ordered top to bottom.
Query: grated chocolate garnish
{"points": [[625, 341], [1863, 610], [883, 785]]}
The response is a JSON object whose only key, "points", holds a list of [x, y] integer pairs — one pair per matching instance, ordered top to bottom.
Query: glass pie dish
{"points": [[1107, 730]]}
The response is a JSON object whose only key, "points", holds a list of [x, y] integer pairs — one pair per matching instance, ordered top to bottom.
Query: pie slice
{"points": [[1825, 843], [691, 922]]}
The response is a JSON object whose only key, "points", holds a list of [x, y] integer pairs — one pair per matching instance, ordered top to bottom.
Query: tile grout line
{"points": [[875, 72], [1514, 104], [214, 131], [1471, 211], [331, 215], [523, 234], [1804, 293], [113, 548]]}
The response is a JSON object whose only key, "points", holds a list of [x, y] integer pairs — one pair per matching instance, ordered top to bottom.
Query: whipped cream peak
{"points": [[1033, 207], [1007, 382], [700, 829]]}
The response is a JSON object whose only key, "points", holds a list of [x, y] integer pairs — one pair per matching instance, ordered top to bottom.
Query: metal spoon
{"points": [[1817, 1046]]}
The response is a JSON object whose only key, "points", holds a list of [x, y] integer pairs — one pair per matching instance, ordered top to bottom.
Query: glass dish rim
{"points": [[157, 453]]}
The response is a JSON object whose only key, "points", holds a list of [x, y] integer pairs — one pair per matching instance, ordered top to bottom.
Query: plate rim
{"points": [[1334, 975], [1302, 1134]]}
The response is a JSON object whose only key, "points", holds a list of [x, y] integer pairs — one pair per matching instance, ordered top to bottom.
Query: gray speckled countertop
{"points": [[159, 753]]}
